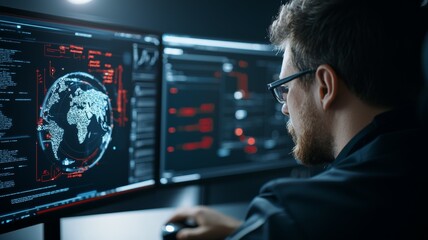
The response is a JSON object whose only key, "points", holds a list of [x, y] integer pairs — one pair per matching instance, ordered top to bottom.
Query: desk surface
{"points": [[131, 225]]}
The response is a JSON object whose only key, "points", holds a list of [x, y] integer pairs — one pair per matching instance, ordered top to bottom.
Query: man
{"points": [[350, 84]]}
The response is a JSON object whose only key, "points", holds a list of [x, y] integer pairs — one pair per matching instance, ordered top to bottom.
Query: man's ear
{"points": [[328, 85]]}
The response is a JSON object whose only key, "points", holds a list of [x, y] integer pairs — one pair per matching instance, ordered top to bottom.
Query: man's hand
{"points": [[212, 225]]}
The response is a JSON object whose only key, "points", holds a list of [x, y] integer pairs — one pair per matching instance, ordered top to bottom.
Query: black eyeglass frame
{"points": [[271, 86]]}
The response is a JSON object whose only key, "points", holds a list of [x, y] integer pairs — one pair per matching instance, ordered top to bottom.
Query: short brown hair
{"points": [[374, 46]]}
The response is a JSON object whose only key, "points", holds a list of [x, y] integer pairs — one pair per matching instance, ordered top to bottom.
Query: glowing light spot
{"points": [[79, 1], [227, 67], [173, 90], [238, 95], [207, 108], [172, 111], [187, 112], [240, 114], [171, 130], [239, 131], [251, 141], [170, 149], [250, 149], [223, 152], [169, 228]]}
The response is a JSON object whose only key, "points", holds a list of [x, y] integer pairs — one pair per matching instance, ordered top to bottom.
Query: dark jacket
{"points": [[373, 190]]}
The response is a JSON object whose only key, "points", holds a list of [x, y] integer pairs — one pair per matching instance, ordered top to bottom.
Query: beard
{"points": [[314, 146]]}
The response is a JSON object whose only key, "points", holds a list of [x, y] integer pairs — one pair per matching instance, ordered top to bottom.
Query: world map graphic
{"points": [[76, 122]]}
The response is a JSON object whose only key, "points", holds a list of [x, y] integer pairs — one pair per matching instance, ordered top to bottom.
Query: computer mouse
{"points": [[170, 229]]}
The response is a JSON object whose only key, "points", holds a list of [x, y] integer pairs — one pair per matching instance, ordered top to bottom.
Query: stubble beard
{"points": [[314, 146]]}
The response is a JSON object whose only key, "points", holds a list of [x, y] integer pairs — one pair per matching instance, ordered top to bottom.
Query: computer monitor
{"points": [[78, 112], [218, 118]]}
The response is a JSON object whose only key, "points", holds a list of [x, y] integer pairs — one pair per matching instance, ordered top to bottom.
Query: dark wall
{"points": [[230, 19]]}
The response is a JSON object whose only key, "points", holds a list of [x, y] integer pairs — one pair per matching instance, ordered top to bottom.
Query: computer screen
{"points": [[78, 112], [217, 117]]}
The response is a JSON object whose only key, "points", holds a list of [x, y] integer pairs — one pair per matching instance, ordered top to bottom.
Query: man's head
{"points": [[374, 46], [371, 47]]}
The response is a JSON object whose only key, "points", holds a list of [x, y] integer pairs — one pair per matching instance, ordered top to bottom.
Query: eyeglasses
{"points": [[279, 91]]}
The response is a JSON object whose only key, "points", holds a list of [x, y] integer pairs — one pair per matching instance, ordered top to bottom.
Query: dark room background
{"points": [[230, 19]]}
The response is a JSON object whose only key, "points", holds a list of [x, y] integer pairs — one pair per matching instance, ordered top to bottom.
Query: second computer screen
{"points": [[217, 116]]}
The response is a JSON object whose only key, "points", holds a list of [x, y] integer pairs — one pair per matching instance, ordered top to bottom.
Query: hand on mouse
{"points": [[211, 225]]}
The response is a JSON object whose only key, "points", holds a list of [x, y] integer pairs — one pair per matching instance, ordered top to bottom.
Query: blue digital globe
{"points": [[76, 122]]}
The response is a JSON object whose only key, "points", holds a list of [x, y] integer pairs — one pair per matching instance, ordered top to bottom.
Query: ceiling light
{"points": [[79, 1]]}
